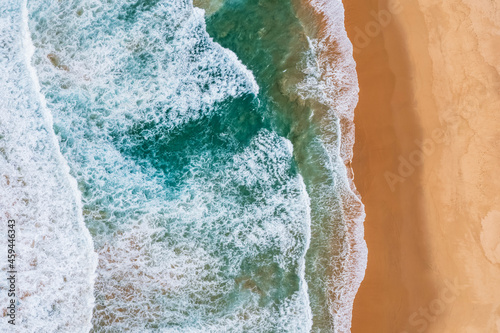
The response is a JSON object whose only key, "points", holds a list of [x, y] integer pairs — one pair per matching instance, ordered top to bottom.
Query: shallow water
{"points": [[270, 39], [211, 197], [54, 260]]}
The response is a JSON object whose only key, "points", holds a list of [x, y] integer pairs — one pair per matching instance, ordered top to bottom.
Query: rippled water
{"points": [[210, 191]]}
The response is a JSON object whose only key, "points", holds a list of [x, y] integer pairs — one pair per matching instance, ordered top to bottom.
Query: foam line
{"points": [[336, 86], [55, 258]]}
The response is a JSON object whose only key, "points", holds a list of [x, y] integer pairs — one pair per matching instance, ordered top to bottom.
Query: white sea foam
{"points": [[332, 80], [98, 102], [181, 249], [55, 259], [136, 267]]}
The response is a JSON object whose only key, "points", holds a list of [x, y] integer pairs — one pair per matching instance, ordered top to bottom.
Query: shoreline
{"points": [[323, 21], [429, 83], [382, 135]]}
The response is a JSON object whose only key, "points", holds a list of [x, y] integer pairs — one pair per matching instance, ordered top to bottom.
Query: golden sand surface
{"points": [[426, 163]]}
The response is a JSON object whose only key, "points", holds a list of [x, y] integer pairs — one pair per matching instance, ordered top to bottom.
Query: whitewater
{"points": [[173, 169], [55, 257]]}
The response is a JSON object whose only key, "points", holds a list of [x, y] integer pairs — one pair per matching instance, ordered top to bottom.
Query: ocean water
{"points": [[196, 149], [55, 261]]}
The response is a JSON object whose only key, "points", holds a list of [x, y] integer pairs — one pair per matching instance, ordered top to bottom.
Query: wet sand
{"points": [[425, 162]]}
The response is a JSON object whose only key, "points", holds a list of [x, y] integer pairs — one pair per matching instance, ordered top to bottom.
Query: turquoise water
{"points": [[270, 39], [211, 198], [54, 262]]}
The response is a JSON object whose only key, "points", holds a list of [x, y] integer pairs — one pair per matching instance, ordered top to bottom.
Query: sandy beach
{"points": [[425, 162]]}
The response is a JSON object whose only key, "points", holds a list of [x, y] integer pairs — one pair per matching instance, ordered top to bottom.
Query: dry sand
{"points": [[428, 73]]}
